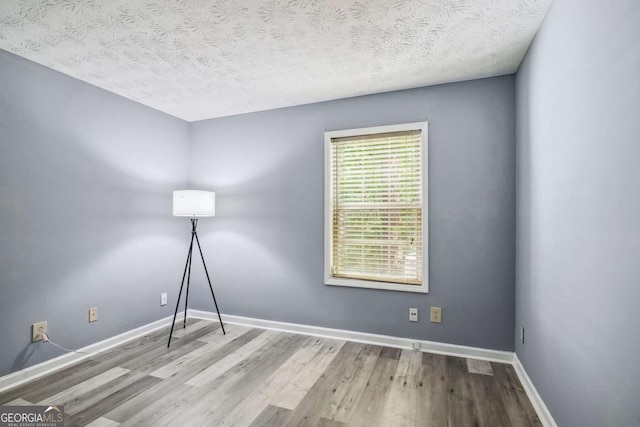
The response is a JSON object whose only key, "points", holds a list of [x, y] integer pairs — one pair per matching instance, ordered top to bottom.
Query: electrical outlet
{"points": [[163, 299], [93, 314], [436, 314], [413, 315], [37, 330], [522, 334], [416, 345]]}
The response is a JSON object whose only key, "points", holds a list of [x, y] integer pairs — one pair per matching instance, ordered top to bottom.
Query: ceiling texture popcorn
{"points": [[199, 59]]}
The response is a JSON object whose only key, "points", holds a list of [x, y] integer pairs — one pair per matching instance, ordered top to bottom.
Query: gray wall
{"points": [[85, 211], [578, 238], [265, 244]]}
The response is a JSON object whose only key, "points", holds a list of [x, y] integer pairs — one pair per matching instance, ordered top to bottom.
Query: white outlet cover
{"points": [[163, 299], [413, 314], [436, 315], [36, 328]]}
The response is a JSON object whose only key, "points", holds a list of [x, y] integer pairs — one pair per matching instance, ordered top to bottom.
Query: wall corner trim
{"points": [[538, 404]]}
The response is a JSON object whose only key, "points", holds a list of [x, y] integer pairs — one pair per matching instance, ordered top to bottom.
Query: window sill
{"points": [[355, 283]]}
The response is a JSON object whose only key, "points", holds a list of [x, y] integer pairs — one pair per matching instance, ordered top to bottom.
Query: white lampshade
{"points": [[194, 203]]}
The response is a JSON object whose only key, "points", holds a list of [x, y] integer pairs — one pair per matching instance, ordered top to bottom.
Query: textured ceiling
{"points": [[197, 59]]}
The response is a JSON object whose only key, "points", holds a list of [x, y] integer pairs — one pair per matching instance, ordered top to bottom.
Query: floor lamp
{"points": [[193, 204]]}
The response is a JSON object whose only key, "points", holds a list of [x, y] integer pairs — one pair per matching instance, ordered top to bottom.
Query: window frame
{"points": [[328, 224]]}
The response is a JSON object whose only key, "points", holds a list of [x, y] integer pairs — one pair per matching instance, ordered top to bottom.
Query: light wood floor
{"points": [[253, 377]]}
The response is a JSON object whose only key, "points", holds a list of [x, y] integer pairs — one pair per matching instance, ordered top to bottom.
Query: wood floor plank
{"points": [[192, 326], [234, 330], [134, 346], [209, 347], [139, 352], [391, 353], [162, 355], [223, 365], [260, 365], [481, 367], [76, 374], [257, 377], [303, 379], [436, 379], [425, 382], [290, 383], [234, 385], [35, 390], [39, 394], [89, 394], [347, 394], [67, 395], [155, 396], [92, 397], [166, 397], [402, 397], [258, 399], [197, 401], [18, 402], [489, 404], [517, 404], [105, 405], [462, 406], [311, 408], [369, 409], [271, 416], [103, 422], [325, 422]]}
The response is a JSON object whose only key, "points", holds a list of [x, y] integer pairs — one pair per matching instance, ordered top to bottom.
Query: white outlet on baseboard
{"points": [[163, 298]]}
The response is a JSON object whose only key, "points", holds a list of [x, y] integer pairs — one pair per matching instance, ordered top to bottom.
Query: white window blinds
{"points": [[376, 207]]}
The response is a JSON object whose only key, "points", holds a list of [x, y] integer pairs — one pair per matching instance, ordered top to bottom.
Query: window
{"points": [[376, 208]]}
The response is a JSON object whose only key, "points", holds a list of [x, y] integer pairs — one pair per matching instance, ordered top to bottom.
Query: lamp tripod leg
{"points": [[194, 224], [188, 264], [210, 287]]}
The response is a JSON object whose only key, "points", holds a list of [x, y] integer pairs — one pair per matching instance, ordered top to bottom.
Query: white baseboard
{"points": [[363, 337], [22, 376], [538, 404]]}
